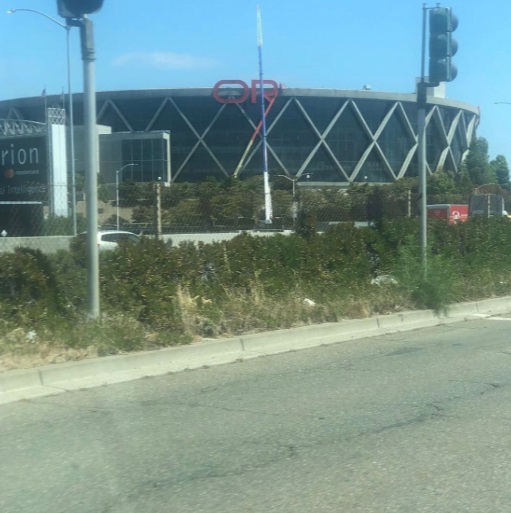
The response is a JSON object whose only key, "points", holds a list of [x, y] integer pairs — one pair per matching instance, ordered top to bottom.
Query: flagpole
{"points": [[267, 193]]}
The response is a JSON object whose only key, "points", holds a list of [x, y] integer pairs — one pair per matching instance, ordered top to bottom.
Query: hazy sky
{"points": [[322, 44]]}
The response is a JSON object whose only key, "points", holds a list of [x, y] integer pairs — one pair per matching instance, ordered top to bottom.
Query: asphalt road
{"points": [[411, 422]]}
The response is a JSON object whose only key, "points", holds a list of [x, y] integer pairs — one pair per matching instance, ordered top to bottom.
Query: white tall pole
{"points": [[71, 132], [267, 193]]}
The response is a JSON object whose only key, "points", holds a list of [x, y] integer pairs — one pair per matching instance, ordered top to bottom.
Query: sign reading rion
{"points": [[239, 92], [24, 169]]}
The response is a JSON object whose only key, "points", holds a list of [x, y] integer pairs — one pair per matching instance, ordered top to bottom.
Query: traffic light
{"points": [[77, 8], [442, 46]]}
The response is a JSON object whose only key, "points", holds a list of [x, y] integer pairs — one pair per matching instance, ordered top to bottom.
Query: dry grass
{"points": [[253, 310], [20, 349]]}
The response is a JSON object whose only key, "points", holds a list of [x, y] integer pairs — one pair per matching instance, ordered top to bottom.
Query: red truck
{"points": [[450, 213]]}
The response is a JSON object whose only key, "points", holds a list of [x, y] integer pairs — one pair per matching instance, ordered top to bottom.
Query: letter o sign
{"points": [[224, 95]]}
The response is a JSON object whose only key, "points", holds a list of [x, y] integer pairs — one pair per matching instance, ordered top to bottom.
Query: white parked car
{"points": [[109, 239]]}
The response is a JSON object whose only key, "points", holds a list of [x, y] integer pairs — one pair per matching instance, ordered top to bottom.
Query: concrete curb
{"points": [[494, 306], [52, 379]]}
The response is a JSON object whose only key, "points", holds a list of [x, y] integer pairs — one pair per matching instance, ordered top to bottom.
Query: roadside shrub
{"points": [[392, 236], [136, 279], [71, 281], [28, 284], [434, 286], [154, 294], [111, 334]]}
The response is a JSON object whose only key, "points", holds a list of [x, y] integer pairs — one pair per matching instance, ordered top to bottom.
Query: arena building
{"points": [[334, 137]]}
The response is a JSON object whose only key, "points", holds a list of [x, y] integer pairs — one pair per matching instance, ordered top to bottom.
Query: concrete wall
{"points": [[45, 244], [53, 244]]}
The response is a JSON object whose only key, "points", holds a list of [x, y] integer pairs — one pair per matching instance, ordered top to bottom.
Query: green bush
{"points": [[29, 286], [433, 286], [153, 294]]}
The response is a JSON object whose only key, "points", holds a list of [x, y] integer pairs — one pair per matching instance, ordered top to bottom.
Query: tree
{"points": [[478, 164], [501, 170], [464, 182], [441, 187], [207, 190], [177, 192], [129, 193]]}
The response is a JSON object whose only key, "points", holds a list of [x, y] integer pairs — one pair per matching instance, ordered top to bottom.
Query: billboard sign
{"points": [[23, 169]]}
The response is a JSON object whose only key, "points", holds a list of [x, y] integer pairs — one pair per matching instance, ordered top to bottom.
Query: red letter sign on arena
{"points": [[268, 93], [233, 96], [231, 99]]}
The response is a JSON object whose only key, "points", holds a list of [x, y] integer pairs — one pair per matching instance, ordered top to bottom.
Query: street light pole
{"points": [[70, 102], [117, 172], [294, 180], [294, 207]]}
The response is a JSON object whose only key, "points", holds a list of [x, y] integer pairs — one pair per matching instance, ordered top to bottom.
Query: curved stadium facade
{"points": [[335, 137]]}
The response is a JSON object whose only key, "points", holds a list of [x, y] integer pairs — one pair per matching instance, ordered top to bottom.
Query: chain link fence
{"points": [[239, 205], [209, 207]]}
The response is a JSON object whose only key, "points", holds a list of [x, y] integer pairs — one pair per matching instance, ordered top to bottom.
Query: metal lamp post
{"points": [[70, 101], [117, 173], [294, 180]]}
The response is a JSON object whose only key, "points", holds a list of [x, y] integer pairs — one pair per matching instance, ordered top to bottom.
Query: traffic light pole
{"points": [[442, 46], [422, 90], [421, 148], [91, 165]]}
